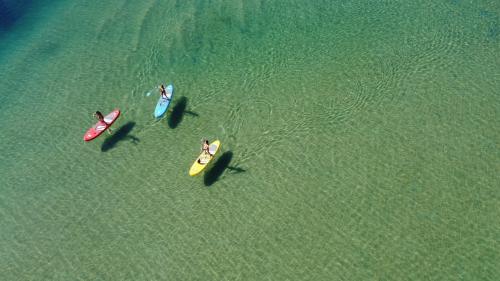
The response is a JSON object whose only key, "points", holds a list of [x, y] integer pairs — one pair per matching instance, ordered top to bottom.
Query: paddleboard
{"points": [[163, 103], [101, 126], [204, 158]]}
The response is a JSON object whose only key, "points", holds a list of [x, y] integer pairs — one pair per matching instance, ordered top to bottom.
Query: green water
{"points": [[360, 140]]}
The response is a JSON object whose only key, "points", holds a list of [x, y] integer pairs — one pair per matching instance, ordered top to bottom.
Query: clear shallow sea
{"points": [[360, 140]]}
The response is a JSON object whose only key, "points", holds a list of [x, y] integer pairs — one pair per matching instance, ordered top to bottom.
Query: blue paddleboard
{"points": [[163, 103]]}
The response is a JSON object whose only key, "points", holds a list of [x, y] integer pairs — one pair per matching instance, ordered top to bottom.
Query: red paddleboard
{"points": [[101, 126]]}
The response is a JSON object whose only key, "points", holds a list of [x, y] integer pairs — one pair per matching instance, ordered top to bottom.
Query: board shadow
{"points": [[178, 112], [121, 134], [214, 173]]}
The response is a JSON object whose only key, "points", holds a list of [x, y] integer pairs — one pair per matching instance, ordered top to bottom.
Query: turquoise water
{"points": [[360, 140]]}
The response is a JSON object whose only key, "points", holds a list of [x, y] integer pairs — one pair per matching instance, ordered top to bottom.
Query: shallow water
{"points": [[359, 140]]}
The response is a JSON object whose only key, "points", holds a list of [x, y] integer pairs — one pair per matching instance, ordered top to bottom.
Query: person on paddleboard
{"points": [[163, 92], [100, 117], [205, 149]]}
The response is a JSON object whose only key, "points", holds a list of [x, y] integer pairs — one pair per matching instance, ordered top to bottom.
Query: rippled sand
{"points": [[360, 140]]}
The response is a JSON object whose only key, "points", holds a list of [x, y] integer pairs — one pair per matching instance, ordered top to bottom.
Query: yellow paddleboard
{"points": [[202, 161]]}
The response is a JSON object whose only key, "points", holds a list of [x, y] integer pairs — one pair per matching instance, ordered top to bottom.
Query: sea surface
{"points": [[360, 140]]}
